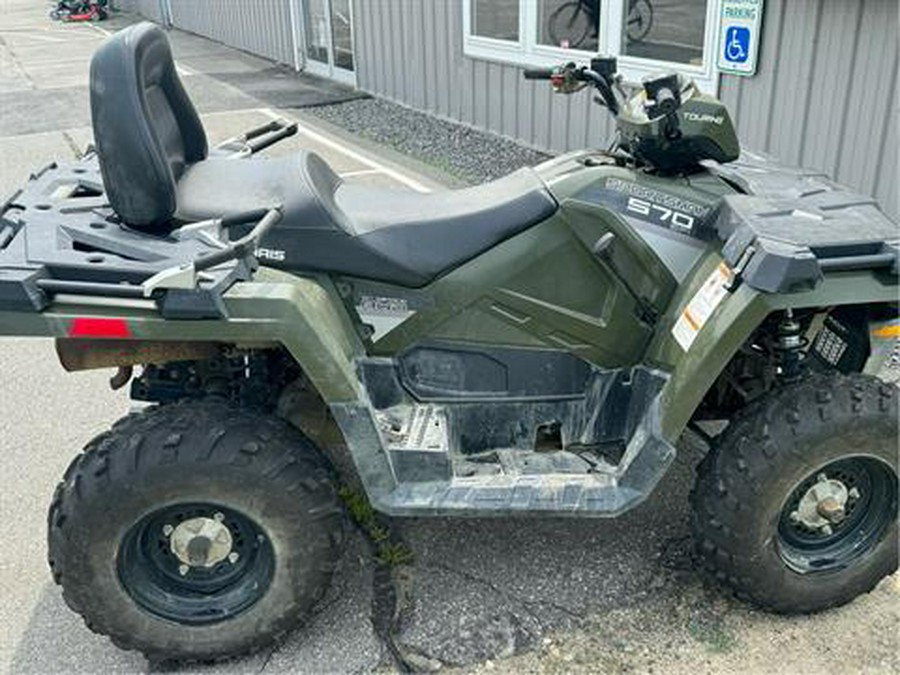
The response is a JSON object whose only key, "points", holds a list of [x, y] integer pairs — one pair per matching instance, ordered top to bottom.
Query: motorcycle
{"points": [[80, 10]]}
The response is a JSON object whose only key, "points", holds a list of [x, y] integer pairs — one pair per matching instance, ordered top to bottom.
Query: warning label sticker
{"points": [[702, 305]]}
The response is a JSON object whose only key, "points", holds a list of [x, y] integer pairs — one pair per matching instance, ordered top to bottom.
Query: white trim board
{"points": [[528, 53]]}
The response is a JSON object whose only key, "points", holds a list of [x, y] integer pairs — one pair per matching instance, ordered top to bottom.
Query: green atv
{"points": [[531, 347]]}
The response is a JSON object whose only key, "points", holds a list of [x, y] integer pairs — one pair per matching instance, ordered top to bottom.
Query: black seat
{"points": [[145, 128], [153, 156], [397, 236]]}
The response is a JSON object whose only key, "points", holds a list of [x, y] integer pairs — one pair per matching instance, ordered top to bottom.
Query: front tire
{"points": [[795, 507], [195, 531]]}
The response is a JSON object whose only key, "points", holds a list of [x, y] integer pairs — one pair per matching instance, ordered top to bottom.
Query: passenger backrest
{"points": [[145, 127]]}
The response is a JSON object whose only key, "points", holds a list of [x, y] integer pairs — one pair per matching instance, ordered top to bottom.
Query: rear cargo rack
{"points": [[59, 236]]}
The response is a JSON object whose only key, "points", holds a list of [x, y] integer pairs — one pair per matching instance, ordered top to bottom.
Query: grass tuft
{"points": [[388, 552]]}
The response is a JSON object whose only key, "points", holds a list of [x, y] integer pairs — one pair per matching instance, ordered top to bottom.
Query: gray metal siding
{"points": [[152, 9], [261, 27], [412, 52], [825, 94]]}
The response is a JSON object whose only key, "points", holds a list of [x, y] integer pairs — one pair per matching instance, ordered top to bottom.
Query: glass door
{"points": [[328, 43]]}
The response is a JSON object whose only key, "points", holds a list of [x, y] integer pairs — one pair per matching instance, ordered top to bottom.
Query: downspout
{"points": [[295, 46]]}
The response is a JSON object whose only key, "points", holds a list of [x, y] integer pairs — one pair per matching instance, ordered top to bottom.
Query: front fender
{"points": [[693, 371]]}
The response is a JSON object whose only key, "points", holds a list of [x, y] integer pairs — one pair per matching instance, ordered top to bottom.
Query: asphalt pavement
{"points": [[480, 589]]}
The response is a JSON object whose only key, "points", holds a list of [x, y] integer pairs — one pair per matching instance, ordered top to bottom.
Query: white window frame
{"points": [[527, 52]]}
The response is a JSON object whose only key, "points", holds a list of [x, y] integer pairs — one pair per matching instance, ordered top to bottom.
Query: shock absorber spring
{"points": [[789, 346]]}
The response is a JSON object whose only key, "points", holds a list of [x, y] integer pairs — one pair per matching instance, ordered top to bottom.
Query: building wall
{"points": [[152, 9], [259, 26], [412, 52], [826, 92], [824, 96]]}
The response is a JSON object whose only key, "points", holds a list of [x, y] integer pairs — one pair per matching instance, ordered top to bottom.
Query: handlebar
{"points": [[539, 74], [583, 74]]}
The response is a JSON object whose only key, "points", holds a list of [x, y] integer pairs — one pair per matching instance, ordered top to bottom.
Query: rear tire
{"points": [[798, 446], [116, 516]]}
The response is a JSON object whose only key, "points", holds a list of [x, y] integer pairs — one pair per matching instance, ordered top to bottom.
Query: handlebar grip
{"points": [[539, 74], [262, 129], [272, 138]]}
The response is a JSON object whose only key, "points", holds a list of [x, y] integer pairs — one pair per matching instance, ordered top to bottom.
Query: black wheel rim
{"points": [[867, 517], [150, 571]]}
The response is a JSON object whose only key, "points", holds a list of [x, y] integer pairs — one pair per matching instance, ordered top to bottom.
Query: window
{"points": [[497, 19], [569, 25], [665, 31], [647, 36]]}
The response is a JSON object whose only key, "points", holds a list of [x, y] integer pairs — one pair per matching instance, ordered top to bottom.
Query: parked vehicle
{"points": [[80, 10], [534, 346]]}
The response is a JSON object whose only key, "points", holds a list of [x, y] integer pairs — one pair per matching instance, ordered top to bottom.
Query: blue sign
{"points": [[740, 24], [737, 44]]}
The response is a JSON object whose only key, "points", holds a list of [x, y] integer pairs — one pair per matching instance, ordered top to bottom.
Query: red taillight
{"points": [[94, 327]]}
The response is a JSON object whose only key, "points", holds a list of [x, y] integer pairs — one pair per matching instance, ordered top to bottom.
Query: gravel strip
{"points": [[471, 155]]}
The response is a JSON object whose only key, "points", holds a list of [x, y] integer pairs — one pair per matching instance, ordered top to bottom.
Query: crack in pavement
{"points": [[17, 63], [526, 603], [318, 610], [504, 631], [268, 658]]}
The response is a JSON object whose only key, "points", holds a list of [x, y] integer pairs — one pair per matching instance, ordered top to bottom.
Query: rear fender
{"points": [[303, 314], [306, 315], [694, 370]]}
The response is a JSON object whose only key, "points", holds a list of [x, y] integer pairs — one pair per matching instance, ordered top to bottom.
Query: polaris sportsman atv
{"points": [[534, 346]]}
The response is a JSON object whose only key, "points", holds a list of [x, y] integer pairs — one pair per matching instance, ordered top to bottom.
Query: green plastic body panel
{"points": [[706, 132], [542, 288], [545, 288]]}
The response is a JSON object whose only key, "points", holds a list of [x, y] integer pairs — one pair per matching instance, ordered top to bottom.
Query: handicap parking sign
{"points": [[740, 23], [737, 44]]}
